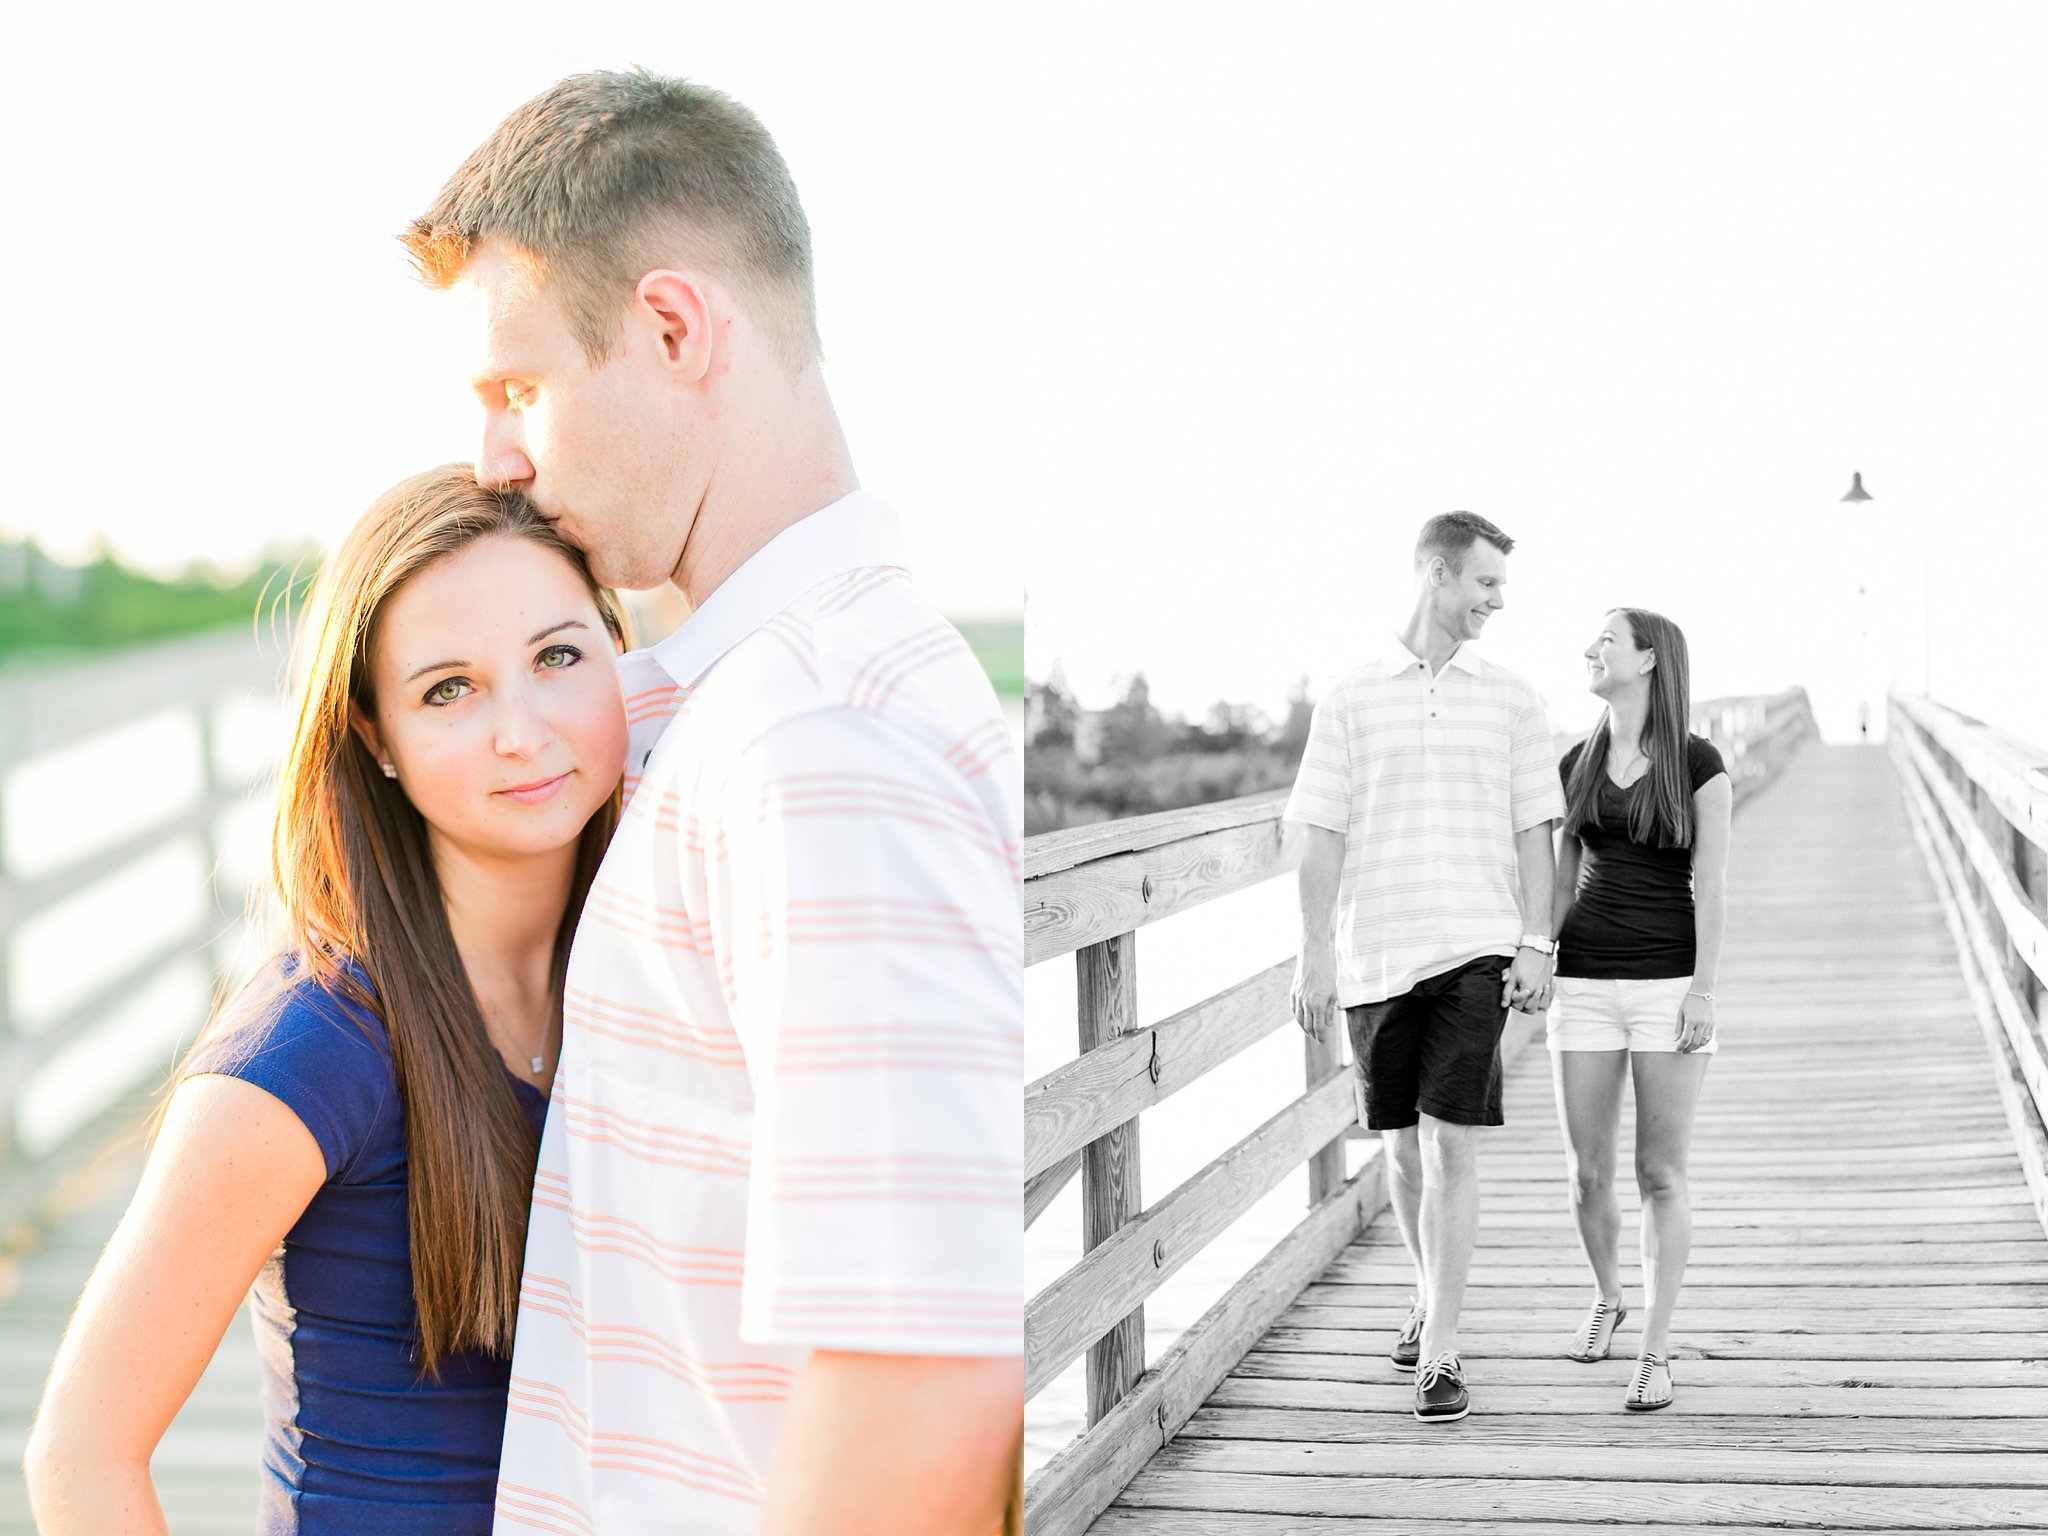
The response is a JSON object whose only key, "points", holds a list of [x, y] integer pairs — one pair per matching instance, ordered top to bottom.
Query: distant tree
{"points": [[1301, 709], [1050, 711], [1231, 728], [1133, 731]]}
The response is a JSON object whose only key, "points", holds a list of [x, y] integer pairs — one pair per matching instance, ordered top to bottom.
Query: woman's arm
{"points": [[1713, 809], [1567, 889], [229, 1175]]}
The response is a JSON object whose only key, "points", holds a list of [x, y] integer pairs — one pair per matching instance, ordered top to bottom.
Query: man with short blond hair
{"points": [[1426, 798], [774, 1271]]}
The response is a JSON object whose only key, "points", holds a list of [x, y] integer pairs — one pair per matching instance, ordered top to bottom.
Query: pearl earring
{"points": [[391, 770]]}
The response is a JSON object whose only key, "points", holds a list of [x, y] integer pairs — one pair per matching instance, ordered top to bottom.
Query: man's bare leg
{"points": [[1404, 1193], [1448, 1228]]}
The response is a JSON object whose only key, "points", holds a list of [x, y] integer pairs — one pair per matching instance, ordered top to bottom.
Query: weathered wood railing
{"points": [[61, 706], [1979, 799], [1087, 892]]}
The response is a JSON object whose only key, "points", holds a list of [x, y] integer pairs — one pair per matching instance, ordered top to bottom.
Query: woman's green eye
{"points": [[558, 656], [447, 691]]}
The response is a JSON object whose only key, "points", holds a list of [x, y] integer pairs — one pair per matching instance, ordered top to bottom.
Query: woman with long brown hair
{"points": [[1639, 906], [351, 1143]]}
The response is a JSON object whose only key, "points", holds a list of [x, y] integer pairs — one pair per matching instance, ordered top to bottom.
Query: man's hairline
{"points": [[532, 270], [1454, 558]]}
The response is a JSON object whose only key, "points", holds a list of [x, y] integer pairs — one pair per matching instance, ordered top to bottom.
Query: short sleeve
{"points": [[1704, 760], [1568, 762], [1322, 784], [1538, 792], [868, 909], [322, 1057]]}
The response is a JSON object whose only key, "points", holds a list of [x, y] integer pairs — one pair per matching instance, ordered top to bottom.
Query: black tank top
{"points": [[1632, 917]]}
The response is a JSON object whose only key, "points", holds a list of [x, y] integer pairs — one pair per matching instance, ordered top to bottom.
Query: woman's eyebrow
{"points": [[552, 629], [556, 629]]}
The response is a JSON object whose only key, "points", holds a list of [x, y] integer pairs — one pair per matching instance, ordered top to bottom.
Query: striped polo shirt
{"points": [[1429, 779], [786, 1113]]}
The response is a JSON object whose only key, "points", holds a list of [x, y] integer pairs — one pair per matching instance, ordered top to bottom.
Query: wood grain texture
{"points": [[2013, 773], [1052, 852], [1072, 907], [2025, 933], [2019, 1072], [1072, 1105], [1111, 1190], [1113, 1279], [1862, 1342], [1068, 1492]]}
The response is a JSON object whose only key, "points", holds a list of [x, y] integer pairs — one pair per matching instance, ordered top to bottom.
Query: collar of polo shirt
{"points": [[851, 533], [1400, 658]]}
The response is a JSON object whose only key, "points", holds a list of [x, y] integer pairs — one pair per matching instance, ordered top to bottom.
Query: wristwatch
{"points": [[1540, 944]]}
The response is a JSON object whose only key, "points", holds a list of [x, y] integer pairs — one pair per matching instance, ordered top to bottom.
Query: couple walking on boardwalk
{"points": [[1433, 901]]}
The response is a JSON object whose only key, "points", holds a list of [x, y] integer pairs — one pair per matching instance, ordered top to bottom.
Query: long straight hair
{"points": [[1660, 802], [355, 876]]}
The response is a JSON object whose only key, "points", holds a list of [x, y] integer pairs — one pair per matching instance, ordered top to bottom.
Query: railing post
{"points": [[1325, 1168], [1110, 1193]]}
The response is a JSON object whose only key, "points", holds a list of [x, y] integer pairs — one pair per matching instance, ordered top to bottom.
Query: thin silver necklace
{"points": [[535, 1061]]}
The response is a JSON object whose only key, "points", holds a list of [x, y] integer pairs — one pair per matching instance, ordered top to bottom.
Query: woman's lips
{"points": [[533, 794]]}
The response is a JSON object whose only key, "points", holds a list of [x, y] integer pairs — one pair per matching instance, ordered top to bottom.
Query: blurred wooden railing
{"points": [[46, 709], [1979, 799], [1087, 892]]}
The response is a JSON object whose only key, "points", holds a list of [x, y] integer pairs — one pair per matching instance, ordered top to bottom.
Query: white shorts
{"points": [[1590, 1014]]}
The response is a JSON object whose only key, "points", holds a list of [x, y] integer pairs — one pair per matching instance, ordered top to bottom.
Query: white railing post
{"points": [[1110, 1182]]}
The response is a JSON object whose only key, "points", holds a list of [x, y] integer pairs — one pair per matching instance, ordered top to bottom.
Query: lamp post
{"points": [[1857, 493]]}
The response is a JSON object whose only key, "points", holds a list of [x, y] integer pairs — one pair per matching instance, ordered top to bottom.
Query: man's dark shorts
{"points": [[1435, 1049]]}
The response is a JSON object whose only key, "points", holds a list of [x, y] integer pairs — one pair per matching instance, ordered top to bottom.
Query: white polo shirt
{"points": [[1429, 779], [786, 1116]]}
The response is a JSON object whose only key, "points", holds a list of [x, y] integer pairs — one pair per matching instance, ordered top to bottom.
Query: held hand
{"points": [[1526, 983], [1314, 997], [1695, 1022]]}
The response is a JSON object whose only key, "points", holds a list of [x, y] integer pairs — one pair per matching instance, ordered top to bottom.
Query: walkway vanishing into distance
{"points": [[1863, 1338], [1862, 1343]]}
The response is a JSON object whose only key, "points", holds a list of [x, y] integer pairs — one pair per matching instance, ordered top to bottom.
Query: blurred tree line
{"points": [[49, 608], [1083, 766]]}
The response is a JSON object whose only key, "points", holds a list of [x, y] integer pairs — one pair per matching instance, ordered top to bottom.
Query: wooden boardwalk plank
{"points": [[1863, 1342], [206, 1467]]}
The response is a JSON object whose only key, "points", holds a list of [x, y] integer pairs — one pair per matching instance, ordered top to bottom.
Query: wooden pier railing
{"points": [[66, 705], [1979, 800], [1087, 892]]}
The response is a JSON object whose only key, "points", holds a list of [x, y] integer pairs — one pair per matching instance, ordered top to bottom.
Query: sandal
{"points": [[1597, 1336], [1639, 1399]]}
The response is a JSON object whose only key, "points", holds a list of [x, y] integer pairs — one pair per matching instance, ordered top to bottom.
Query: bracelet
{"points": [[1707, 995]]}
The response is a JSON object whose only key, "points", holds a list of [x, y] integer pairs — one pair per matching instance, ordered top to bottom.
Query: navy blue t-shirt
{"points": [[1633, 915], [355, 1442]]}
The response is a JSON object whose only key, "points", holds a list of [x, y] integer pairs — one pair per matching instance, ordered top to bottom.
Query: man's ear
{"points": [[673, 310], [366, 733]]}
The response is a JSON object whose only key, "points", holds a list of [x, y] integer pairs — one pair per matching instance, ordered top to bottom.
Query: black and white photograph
{"points": [[1537, 781]]}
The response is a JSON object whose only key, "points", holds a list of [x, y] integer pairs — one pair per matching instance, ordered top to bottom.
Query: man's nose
{"points": [[501, 462]]}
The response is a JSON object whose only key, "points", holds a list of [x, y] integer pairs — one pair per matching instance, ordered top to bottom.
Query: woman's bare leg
{"points": [[1667, 1092], [1589, 1110]]}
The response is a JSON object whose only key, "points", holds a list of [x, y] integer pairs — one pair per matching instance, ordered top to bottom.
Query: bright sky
{"points": [[1643, 284], [1190, 313], [216, 340]]}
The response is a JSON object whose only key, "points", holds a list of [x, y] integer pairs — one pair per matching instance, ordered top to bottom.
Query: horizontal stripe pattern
{"points": [[1428, 779], [786, 1115]]}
